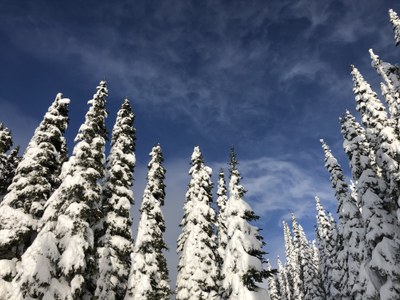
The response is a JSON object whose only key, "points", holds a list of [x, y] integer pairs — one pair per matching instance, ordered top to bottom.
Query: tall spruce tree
{"points": [[395, 20], [5, 145], [358, 150], [9, 170], [34, 181], [221, 202], [379, 205], [351, 229], [114, 235], [327, 237], [197, 244], [289, 253], [244, 257], [297, 259], [60, 262], [149, 276], [312, 282], [273, 285], [284, 289]]}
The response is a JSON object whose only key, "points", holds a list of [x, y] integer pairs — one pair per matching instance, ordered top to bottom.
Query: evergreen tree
{"points": [[395, 20], [390, 87], [5, 145], [357, 148], [8, 172], [33, 183], [221, 202], [378, 203], [221, 225], [351, 230], [114, 236], [327, 239], [197, 244], [297, 259], [60, 262], [243, 264], [289, 267], [149, 277], [312, 282], [273, 285], [284, 289]]}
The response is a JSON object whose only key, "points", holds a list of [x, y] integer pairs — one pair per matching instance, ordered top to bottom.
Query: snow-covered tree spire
{"points": [[395, 20], [390, 86], [373, 113], [384, 140], [5, 145], [355, 145], [9, 170], [33, 183], [221, 202], [351, 227], [114, 239], [197, 244], [327, 244], [296, 259], [60, 262], [243, 265], [289, 267], [149, 276], [312, 282], [273, 285], [284, 289]]}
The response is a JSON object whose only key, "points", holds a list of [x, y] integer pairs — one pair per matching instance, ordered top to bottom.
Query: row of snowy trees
{"points": [[65, 221], [359, 255]]}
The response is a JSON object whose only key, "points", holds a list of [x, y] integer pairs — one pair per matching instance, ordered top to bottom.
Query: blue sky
{"points": [[268, 77]]}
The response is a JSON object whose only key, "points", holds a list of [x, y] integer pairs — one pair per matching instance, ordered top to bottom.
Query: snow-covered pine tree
{"points": [[395, 20], [390, 86], [5, 145], [358, 150], [8, 172], [33, 183], [221, 202], [379, 216], [351, 229], [114, 234], [326, 238], [197, 244], [244, 257], [297, 259], [60, 262], [149, 276], [292, 281], [312, 282], [273, 285], [284, 289]]}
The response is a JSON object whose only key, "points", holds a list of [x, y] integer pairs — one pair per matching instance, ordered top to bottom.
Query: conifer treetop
{"points": [[395, 20], [372, 110], [5, 139], [114, 242], [197, 244], [149, 275]]}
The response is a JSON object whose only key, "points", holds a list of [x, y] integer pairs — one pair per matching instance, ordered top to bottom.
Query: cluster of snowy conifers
{"points": [[65, 222], [359, 256]]}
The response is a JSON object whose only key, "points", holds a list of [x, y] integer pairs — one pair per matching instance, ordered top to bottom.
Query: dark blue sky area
{"points": [[269, 77]]}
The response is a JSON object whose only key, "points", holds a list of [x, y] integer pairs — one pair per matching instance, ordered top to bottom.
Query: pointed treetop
{"points": [[395, 20], [372, 110], [5, 139], [196, 155], [233, 162]]}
